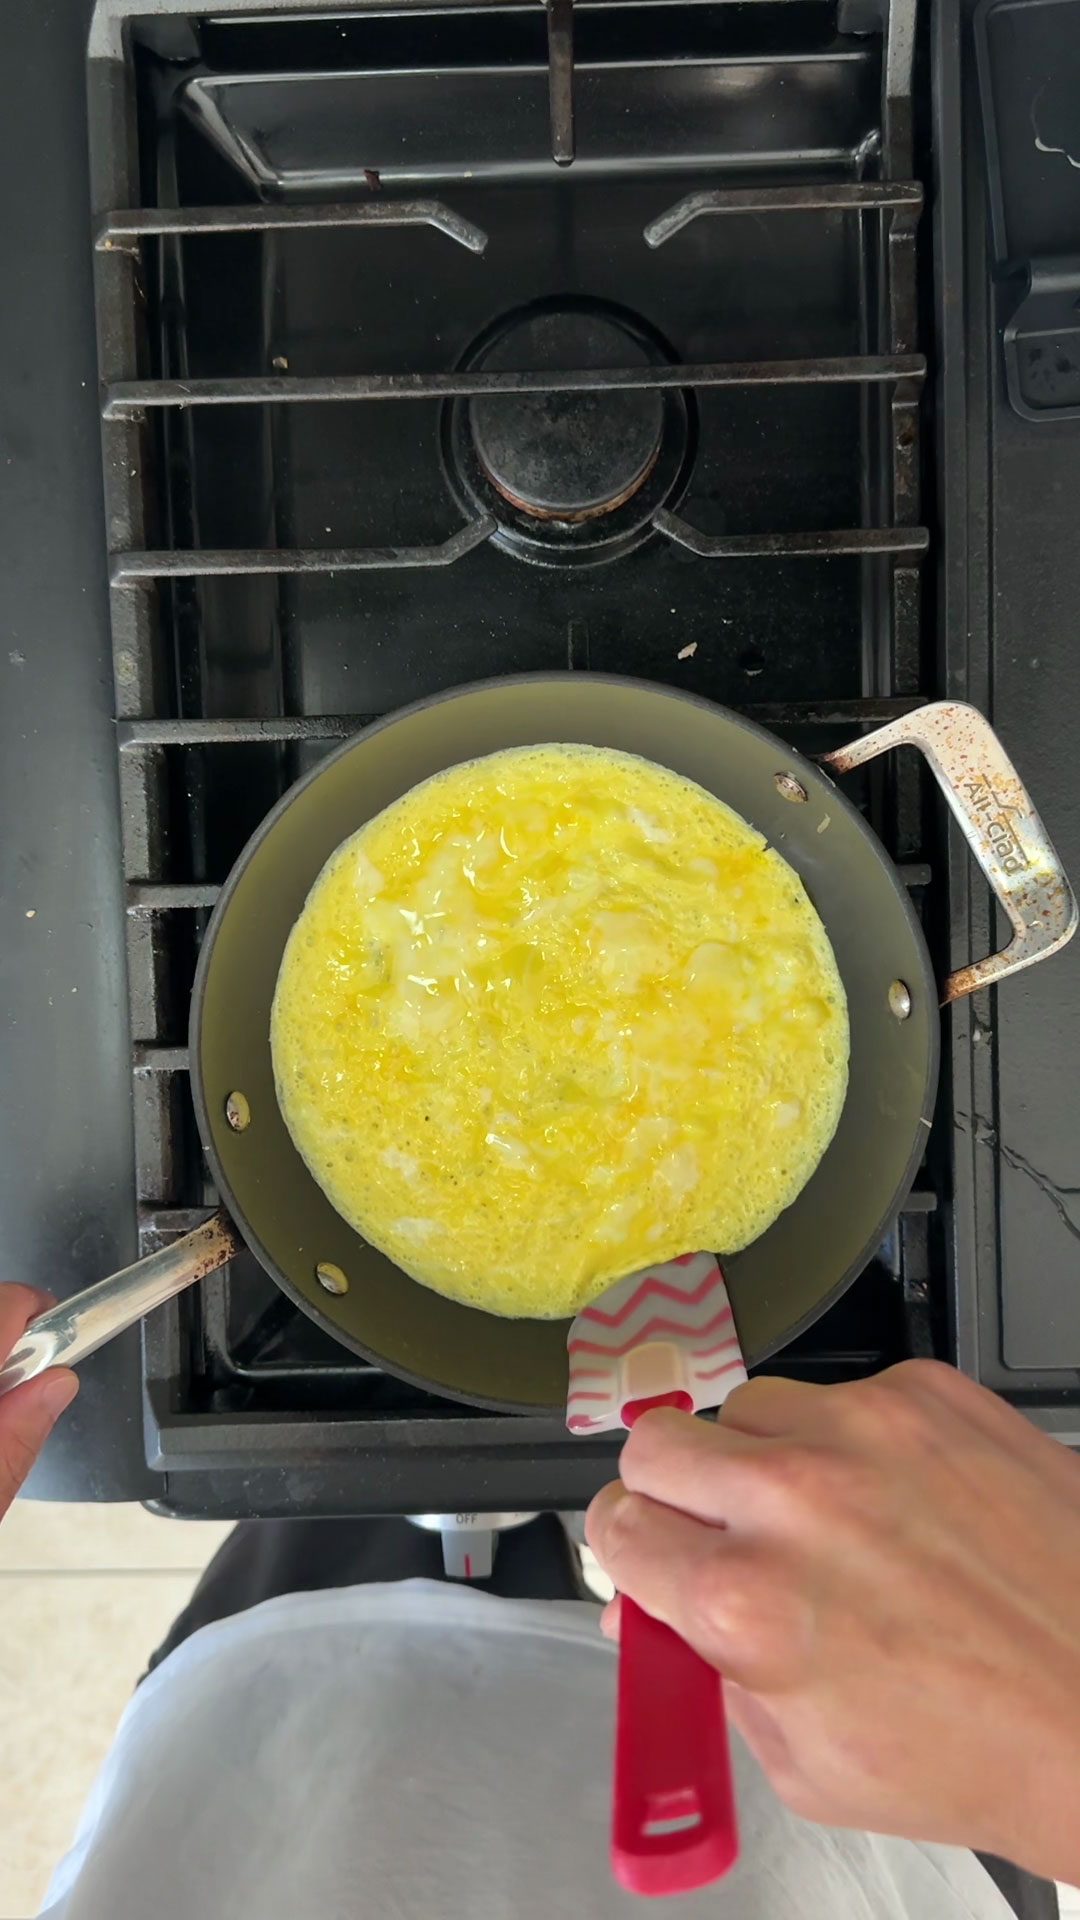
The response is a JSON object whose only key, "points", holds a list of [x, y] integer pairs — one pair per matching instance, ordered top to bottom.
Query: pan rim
{"points": [[553, 676]]}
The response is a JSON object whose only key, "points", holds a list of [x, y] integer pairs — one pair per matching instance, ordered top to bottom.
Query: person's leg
{"points": [[264, 1558]]}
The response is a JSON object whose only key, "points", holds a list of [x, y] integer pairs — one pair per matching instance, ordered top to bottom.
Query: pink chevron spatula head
{"points": [[666, 1330], [662, 1337]]}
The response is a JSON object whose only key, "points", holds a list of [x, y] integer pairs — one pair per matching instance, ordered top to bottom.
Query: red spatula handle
{"points": [[674, 1826]]}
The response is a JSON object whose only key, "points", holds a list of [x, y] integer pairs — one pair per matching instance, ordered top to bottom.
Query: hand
{"points": [[27, 1413], [888, 1576]]}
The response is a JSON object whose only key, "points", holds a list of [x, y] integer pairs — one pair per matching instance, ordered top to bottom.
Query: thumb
{"points": [[27, 1416]]}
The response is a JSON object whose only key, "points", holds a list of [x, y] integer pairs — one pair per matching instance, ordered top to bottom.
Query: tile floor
{"points": [[86, 1593]]}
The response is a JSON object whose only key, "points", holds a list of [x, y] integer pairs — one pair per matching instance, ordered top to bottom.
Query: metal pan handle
{"points": [[1000, 825], [68, 1332]]}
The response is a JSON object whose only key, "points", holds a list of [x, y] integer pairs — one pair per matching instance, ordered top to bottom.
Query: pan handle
{"points": [[1000, 825], [66, 1333]]}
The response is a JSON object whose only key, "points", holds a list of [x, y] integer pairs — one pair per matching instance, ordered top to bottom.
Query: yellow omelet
{"points": [[553, 1016]]}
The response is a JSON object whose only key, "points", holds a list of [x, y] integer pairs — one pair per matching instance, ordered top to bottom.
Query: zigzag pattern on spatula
{"points": [[652, 1285], [684, 1326], [602, 1337]]}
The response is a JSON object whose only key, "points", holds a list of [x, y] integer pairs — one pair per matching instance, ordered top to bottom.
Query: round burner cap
{"points": [[566, 456]]}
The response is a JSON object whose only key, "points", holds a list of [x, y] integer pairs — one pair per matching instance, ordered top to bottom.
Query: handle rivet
{"points": [[790, 788], [899, 1000], [238, 1112], [331, 1277]]}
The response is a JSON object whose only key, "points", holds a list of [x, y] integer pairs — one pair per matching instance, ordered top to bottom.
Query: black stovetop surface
{"points": [[227, 687]]}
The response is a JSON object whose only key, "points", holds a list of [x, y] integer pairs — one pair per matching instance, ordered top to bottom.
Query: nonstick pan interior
{"points": [[778, 1285]]}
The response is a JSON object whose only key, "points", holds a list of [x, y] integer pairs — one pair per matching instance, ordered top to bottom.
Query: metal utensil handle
{"points": [[1000, 824], [69, 1332]]}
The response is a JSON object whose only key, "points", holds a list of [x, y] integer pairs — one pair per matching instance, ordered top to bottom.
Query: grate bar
{"points": [[560, 25], [864, 196], [120, 229], [128, 397], [771, 546], [127, 569], [133, 735], [144, 896], [148, 1060]]}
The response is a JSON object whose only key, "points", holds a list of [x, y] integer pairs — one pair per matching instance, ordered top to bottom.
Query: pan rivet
{"points": [[791, 788], [899, 1000], [238, 1112], [331, 1277]]}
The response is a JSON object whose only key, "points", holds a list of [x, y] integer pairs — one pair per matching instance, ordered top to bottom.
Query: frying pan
{"points": [[780, 1284]]}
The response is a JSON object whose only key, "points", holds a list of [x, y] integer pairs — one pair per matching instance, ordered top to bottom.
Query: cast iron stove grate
{"points": [[481, 341]]}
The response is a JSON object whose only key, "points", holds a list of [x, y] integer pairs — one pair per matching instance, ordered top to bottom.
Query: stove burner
{"points": [[567, 456], [571, 478]]}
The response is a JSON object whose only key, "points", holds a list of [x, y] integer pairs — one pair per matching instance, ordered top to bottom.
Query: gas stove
{"points": [[449, 342]]}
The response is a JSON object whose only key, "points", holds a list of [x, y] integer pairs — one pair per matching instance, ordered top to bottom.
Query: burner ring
{"points": [[571, 478], [572, 515]]}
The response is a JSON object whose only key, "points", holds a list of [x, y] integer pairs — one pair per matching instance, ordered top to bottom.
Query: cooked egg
{"points": [[555, 1015]]}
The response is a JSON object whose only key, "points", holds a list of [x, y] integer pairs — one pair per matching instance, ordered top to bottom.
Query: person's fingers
{"points": [[18, 1305], [27, 1416], [700, 1468], [649, 1550], [717, 1593], [610, 1619]]}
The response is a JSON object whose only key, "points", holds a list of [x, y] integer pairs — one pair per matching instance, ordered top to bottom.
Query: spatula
{"points": [[664, 1337]]}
